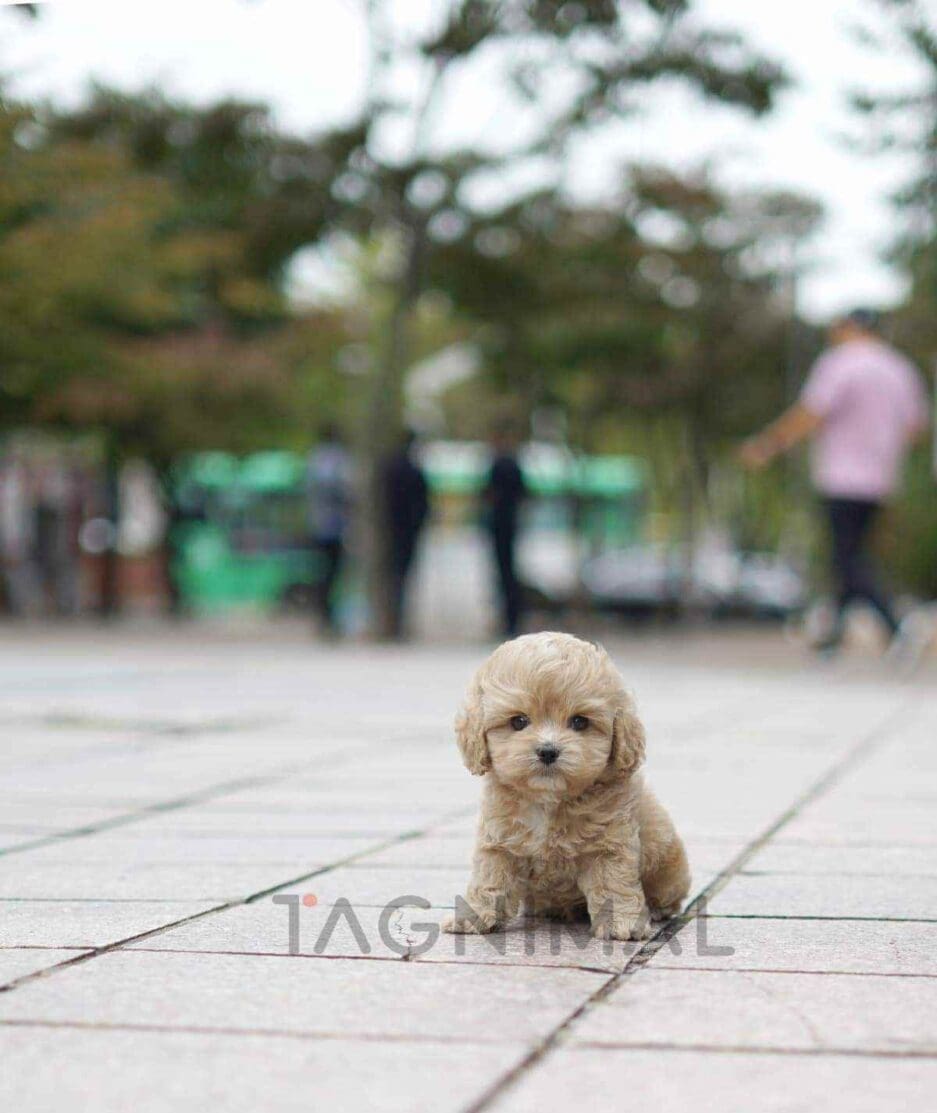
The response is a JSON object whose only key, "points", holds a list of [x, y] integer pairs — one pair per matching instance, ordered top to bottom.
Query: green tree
{"points": [[566, 69], [906, 120], [241, 198], [137, 298], [659, 324]]}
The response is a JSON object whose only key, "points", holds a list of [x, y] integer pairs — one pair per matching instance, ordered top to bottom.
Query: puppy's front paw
{"points": [[658, 915], [464, 925], [623, 927]]}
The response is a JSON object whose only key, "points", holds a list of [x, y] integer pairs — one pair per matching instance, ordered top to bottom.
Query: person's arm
{"points": [[793, 426]]}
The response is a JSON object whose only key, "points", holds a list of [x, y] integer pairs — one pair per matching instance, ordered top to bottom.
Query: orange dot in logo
{"points": [[310, 900]]}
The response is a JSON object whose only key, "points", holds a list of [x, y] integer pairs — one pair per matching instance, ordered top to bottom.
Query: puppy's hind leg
{"points": [[665, 871]]}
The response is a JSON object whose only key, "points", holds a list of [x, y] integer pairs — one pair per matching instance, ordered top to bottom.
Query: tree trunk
{"points": [[381, 430], [693, 502], [109, 602]]}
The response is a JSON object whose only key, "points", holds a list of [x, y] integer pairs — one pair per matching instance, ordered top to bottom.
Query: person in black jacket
{"points": [[503, 494], [406, 506]]}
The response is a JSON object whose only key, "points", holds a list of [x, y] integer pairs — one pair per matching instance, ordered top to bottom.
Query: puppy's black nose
{"points": [[548, 753]]}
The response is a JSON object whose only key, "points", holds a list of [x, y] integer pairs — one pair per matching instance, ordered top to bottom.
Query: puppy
{"points": [[567, 824]]}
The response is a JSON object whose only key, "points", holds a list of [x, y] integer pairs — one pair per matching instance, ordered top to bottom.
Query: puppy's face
{"points": [[548, 716], [549, 742]]}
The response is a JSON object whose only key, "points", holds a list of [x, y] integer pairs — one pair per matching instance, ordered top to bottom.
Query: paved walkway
{"points": [[171, 806]]}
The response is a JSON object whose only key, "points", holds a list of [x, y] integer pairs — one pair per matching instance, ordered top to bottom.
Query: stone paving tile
{"points": [[31, 744], [727, 758], [905, 763], [429, 770], [786, 770], [137, 781], [394, 794], [99, 798], [114, 799], [39, 815], [218, 819], [898, 823], [462, 826], [11, 838], [163, 848], [428, 850], [782, 856], [219, 881], [361, 885], [836, 895], [59, 923], [264, 928], [521, 943], [844, 946], [17, 962], [338, 996], [737, 1009], [46, 1070], [609, 1080]]}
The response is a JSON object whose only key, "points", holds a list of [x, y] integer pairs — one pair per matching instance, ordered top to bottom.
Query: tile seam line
{"points": [[140, 737], [834, 773], [177, 803], [819, 919], [87, 948], [95, 952], [416, 960], [778, 970], [269, 1033], [415, 1038], [758, 1049]]}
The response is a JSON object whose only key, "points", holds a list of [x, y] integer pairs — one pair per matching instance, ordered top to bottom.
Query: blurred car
{"points": [[660, 579]]}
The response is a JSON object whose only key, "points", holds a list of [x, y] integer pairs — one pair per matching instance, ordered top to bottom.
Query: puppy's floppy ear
{"points": [[470, 733], [627, 739]]}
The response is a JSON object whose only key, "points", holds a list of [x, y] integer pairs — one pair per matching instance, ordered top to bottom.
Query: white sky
{"points": [[306, 58]]}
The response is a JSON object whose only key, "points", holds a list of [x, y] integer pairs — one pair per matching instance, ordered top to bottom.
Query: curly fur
{"points": [[583, 834]]}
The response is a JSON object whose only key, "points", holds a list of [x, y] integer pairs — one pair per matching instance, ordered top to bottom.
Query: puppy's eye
{"points": [[520, 722], [579, 722]]}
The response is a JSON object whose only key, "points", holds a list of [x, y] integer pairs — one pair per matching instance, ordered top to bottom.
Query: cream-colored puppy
{"points": [[567, 823]]}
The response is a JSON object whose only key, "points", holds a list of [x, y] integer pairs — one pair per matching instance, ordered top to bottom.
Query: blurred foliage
{"points": [[583, 65], [906, 119], [146, 246], [141, 250], [672, 344], [909, 534]]}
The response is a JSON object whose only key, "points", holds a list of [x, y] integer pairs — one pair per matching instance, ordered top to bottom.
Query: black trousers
{"points": [[851, 522], [332, 552], [399, 561], [509, 588]]}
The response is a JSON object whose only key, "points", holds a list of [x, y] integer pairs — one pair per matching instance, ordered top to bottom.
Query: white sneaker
{"points": [[912, 639]]}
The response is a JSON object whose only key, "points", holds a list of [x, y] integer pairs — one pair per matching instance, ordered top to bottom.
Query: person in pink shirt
{"points": [[862, 406]]}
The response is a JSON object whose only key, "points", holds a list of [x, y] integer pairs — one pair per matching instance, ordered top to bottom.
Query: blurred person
{"points": [[863, 405], [330, 482], [502, 496], [405, 497], [58, 511], [74, 513], [17, 537]]}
